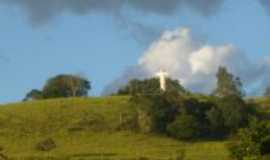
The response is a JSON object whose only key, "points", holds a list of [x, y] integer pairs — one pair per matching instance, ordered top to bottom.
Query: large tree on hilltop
{"points": [[228, 84], [63, 85], [66, 86]]}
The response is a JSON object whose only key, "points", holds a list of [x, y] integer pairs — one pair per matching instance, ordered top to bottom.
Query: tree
{"points": [[227, 84], [66, 86], [150, 86], [33, 95], [156, 111], [229, 114]]}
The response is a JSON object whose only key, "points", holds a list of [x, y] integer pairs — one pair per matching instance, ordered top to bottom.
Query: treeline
{"points": [[69, 85]]}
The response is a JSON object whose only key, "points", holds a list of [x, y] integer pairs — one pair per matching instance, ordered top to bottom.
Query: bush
{"points": [[198, 109], [155, 112], [228, 115], [186, 117], [216, 121], [184, 127], [252, 142], [46, 145]]}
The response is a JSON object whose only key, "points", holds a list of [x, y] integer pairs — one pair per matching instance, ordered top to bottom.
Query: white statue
{"points": [[162, 79]]}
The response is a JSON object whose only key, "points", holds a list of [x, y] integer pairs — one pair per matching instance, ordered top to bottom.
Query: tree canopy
{"points": [[227, 84], [63, 85], [150, 86]]}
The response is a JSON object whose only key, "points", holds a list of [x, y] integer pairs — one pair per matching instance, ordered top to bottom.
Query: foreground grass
{"points": [[90, 128], [121, 145]]}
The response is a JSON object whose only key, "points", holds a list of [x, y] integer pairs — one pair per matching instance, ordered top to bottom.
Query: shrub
{"points": [[198, 109], [155, 112], [228, 115], [216, 121], [184, 127], [252, 142], [46, 145]]}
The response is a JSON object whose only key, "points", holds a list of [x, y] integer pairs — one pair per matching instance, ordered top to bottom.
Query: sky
{"points": [[109, 43]]}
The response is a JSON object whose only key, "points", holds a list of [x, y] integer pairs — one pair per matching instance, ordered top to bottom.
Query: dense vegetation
{"points": [[187, 116]]}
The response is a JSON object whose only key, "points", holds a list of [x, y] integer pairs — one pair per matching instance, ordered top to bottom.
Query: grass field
{"points": [[90, 128]]}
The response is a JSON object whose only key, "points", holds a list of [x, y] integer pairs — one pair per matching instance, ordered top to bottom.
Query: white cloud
{"points": [[195, 64]]}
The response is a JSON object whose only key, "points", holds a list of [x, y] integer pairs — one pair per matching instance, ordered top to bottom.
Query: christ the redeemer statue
{"points": [[162, 79]]}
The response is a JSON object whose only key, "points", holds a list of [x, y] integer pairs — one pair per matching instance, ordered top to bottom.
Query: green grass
{"points": [[90, 128]]}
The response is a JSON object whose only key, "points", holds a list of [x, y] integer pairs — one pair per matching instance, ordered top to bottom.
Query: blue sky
{"points": [[99, 47]]}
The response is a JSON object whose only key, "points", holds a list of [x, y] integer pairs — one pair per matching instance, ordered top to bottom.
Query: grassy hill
{"points": [[90, 128]]}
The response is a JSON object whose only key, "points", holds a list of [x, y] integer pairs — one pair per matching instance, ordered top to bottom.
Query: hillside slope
{"points": [[89, 128]]}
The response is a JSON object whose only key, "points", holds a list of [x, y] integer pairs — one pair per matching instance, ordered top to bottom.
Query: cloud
{"points": [[265, 4], [204, 7], [41, 11], [195, 63]]}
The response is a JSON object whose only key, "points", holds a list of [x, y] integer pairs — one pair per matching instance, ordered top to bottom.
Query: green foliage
{"points": [[227, 84], [61, 86], [66, 86], [150, 86], [198, 109], [164, 110], [156, 111], [234, 112], [228, 115], [211, 117], [216, 121], [184, 127], [252, 142]]}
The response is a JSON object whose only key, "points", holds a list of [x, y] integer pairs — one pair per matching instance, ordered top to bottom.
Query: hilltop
{"points": [[90, 128]]}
